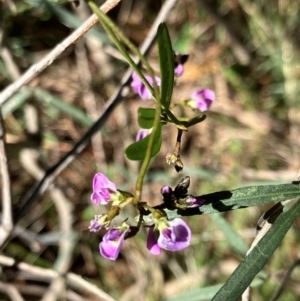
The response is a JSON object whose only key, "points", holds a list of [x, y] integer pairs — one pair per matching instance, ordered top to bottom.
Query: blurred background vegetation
{"points": [[247, 51]]}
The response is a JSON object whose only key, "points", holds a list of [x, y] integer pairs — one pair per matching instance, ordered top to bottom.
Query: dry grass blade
{"points": [[7, 221]]}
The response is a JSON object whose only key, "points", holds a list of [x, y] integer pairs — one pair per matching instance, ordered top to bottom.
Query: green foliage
{"points": [[166, 61], [270, 67], [146, 117], [137, 150], [222, 201], [255, 261]]}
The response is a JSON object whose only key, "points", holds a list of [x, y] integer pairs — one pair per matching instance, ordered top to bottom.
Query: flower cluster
{"points": [[171, 235]]}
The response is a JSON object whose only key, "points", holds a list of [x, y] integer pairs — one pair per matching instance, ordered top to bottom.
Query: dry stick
{"points": [[34, 70], [109, 106], [29, 159], [64, 209], [7, 222], [36, 273], [280, 288], [11, 291], [36, 291]]}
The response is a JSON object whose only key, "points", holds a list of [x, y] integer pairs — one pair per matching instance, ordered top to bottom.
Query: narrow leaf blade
{"points": [[166, 61], [244, 197], [241, 198], [255, 261]]}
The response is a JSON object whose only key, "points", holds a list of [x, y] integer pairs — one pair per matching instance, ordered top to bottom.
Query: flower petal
{"points": [[178, 70], [139, 87], [202, 99], [142, 133], [102, 189], [176, 237], [112, 243], [152, 244]]}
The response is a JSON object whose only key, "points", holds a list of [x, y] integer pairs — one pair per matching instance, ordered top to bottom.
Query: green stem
{"points": [[114, 32], [116, 35], [145, 164]]}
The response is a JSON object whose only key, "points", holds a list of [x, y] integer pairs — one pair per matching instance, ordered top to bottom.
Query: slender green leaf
{"points": [[118, 37], [166, 61], [16, 101], [64, 107], [146, 117], [137, 150], [244, 197], [233, 238], [255, 261], [206, 293], [199, 294]]}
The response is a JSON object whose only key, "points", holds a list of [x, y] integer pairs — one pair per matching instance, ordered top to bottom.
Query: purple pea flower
{"points": [[179, 60], [178, 70], [139, 88], [202, 99], [142, 133], [102, 189], [166, 190], [194, 201], [174, 235], [112, 242]]}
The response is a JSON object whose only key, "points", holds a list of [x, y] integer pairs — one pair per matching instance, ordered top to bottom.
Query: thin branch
{"points": [[36, 69], [109, 106], [28, 158], [74, 281], [280, 288], [11, 291]]}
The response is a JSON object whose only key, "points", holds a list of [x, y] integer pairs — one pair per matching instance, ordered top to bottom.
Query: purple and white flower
{"points": [[201, 99], [103, 188], [174, 235], [113, 241]]}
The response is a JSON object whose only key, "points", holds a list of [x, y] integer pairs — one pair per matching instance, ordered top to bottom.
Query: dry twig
{"points": [[36, 69], [7, 221], [74, 281]]}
